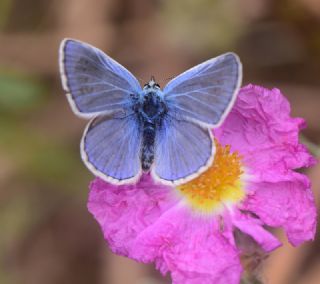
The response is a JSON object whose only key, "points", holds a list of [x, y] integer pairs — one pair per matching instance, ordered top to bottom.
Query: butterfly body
{"points": [[150, 113], [166, 132]]}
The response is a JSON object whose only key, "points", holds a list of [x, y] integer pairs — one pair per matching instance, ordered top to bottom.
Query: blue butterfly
{"points": [[134, 129]]}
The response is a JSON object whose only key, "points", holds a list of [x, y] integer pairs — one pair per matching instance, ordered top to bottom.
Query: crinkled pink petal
{"points": [[261, 129], [288, 204], [123, 212], [145, 222], [254, 228], [191, 247]]}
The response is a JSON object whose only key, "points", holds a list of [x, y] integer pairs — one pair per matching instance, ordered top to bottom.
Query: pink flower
{"points": [[189, 231]]}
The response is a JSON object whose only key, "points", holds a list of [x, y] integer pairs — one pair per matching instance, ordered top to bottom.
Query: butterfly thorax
{"points": [[150, 110]]}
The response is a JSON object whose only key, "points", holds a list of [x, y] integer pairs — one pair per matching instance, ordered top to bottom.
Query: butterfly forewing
{"points": [[94, 82], [206, 92], [111, 147]]}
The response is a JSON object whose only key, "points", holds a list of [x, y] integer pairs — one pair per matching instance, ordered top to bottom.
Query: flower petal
{"points": [[261, 129], [287, 204], [124, 211], [145, 222], [254, 228], [191, 248]]}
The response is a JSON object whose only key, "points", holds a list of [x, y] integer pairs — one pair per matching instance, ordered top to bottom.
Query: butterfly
{"points": [[134, 129]]}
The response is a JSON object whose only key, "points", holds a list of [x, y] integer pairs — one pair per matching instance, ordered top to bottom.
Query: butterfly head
{"points": [[151, 84]]}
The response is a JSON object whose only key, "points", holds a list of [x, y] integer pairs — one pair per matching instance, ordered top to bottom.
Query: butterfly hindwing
{"points": [[94, 82], [206, 92], [110, 148], [183, 150]]}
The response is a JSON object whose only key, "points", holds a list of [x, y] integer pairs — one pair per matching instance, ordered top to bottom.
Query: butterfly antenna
{"points": [[161, 81]]}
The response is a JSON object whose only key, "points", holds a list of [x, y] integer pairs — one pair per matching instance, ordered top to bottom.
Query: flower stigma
{"points": [[219, 186]]}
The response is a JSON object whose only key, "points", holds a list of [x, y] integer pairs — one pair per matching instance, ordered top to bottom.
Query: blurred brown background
{"points": [[47, 235]]}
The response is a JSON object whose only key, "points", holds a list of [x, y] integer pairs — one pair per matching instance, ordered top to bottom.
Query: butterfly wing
{"points": [[94, 82], [206, 92], [197, 100], [110, 148], [183, 151]]}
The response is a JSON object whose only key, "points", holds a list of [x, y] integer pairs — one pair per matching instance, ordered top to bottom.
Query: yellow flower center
{"points": [[220, 185]]}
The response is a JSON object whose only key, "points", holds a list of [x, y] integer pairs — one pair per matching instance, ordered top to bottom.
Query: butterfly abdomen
{"points": [[147, 151]]}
